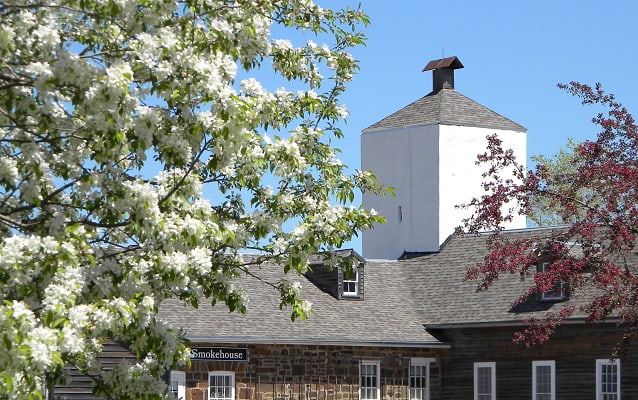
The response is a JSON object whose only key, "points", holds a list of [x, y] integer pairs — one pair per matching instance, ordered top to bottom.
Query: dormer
{"points": [[550, 254], [340, 273]]}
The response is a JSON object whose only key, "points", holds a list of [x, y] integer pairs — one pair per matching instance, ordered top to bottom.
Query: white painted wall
{"points": [[408, 160], [432, 168], [460, 177]]}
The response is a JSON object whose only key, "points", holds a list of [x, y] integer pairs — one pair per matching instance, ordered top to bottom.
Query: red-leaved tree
{"points": [[595, 194]]}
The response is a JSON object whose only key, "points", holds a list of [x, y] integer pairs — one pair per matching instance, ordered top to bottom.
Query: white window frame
{"points": [[354, 293], [544, 296], [492, 367], [552, 368], [180, 378], [231, 386], [44, 388], [377, 388], [423, 391], [600, 395]]}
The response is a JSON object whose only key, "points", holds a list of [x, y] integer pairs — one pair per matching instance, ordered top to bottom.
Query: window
{"points": [[351, 282], [557, 292], [420, 378], [369, 380], [543, 380], [607, 380], [485, 381], [178, 384], [221, 386], [44, 388]]}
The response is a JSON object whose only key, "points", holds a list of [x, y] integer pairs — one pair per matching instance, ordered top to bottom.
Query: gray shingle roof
{"points": [[446, 107], [402, 299], [450, 300], [385, 316]]}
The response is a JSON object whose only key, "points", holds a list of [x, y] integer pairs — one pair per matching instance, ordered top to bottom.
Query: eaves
{"points": [[504, 323], [319, 342]]}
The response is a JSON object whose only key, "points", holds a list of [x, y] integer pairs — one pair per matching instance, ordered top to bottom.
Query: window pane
{"points": [[349, 275], [350, 282], [557, 292], [543, 375], [369, 381], [484, 381], [543, 381], [609, 381], [418, 382], [221, 387]]}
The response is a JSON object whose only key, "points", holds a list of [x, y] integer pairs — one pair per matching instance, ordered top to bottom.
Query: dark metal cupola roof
{"points": [[443, 72]]}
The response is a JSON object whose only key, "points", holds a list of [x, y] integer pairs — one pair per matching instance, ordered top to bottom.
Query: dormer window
{"points": [[340, 273], [350, 283], [557, 292]]}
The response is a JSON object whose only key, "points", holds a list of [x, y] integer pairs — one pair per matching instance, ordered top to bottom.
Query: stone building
{"points": [[404, 324], [362, 336]]}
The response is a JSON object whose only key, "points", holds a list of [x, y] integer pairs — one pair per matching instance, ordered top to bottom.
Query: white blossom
{"points": [[284, 44], [141, 154], [9, 170], [306, 306]]}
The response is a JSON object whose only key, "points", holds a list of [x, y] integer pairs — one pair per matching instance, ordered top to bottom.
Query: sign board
{"points": [[219, 354]]}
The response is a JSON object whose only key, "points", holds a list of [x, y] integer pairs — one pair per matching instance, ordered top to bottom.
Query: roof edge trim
{"points": [[381, 130], [368, 131], [379, 260], [495, 324], [356, 343]]}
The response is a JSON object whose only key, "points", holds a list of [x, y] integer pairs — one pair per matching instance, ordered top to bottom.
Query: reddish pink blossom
{"points": [[596, 196]]}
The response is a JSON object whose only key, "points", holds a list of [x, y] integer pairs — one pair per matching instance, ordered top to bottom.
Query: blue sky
{"points": [[514, 53]]}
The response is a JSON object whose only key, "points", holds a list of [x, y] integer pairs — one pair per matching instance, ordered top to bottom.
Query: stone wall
{"points": [[306, 372]]}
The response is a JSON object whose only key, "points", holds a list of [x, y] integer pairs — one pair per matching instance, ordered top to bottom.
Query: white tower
{"points": [[427, 152]]}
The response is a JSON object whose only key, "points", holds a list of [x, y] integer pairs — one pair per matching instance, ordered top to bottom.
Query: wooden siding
{"points": [[325, 278], [574, 350], [80, 387]]}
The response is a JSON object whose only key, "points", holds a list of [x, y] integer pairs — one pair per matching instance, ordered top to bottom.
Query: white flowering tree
{"points": [[139, 157]]}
